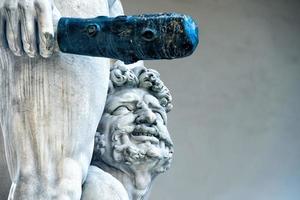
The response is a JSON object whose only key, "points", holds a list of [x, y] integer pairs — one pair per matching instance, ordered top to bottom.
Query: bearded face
{"points": [[133, 132]]}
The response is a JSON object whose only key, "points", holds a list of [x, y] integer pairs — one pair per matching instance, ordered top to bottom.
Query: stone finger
{"points": [[45, 29], [13, 30], [29, 39], [3, 42]]}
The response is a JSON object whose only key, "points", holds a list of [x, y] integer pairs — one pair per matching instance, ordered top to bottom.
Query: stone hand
{"points": [[26, 26]]}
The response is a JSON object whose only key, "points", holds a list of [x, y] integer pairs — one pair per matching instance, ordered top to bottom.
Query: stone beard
{"points": [[50, 108], [135, 132], [132, 143]]}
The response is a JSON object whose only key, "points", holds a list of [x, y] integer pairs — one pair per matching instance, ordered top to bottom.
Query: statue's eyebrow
{"points": [[130, 101], [115, 104], [155, 105]]}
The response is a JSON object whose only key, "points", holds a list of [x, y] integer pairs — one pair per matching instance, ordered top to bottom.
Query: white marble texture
{"points": [[50, 108]]}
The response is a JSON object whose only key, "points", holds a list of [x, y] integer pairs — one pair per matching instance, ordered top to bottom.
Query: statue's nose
{"points": [[146, 116]]}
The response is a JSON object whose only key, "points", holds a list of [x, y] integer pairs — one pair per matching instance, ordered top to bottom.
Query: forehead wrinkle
{"points": [[128, 97], [151, 100]]}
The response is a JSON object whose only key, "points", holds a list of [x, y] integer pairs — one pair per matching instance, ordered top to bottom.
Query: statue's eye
{"points": [[121, 110]]}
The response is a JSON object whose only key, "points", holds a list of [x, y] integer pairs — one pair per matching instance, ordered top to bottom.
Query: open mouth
{"points": [[145, 136]]}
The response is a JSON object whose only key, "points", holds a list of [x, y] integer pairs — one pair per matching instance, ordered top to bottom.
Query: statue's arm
{"points": [[27, 26]]}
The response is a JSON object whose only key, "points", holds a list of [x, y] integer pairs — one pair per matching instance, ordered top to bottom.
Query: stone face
{"points": [[50, 109], [132, 143]]}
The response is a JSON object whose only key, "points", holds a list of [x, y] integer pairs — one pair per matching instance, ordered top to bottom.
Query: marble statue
{"points": [[51, 102], [50, 108], [132, 144]]}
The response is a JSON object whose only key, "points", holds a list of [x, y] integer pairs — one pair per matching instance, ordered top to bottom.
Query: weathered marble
{"points": [[49, 108], [132, 144]]}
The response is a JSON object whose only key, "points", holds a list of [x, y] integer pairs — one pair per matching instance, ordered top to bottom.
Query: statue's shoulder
{"points": [[100, 185]]}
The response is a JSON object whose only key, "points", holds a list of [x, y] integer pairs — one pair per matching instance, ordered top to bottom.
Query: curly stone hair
{"points": [[138, 76]]}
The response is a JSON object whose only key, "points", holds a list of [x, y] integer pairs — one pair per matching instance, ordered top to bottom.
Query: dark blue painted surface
{"points": [[130, 38]]}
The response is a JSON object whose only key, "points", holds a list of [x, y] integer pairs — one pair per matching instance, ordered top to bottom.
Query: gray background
{"points": [[236, 121]]}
